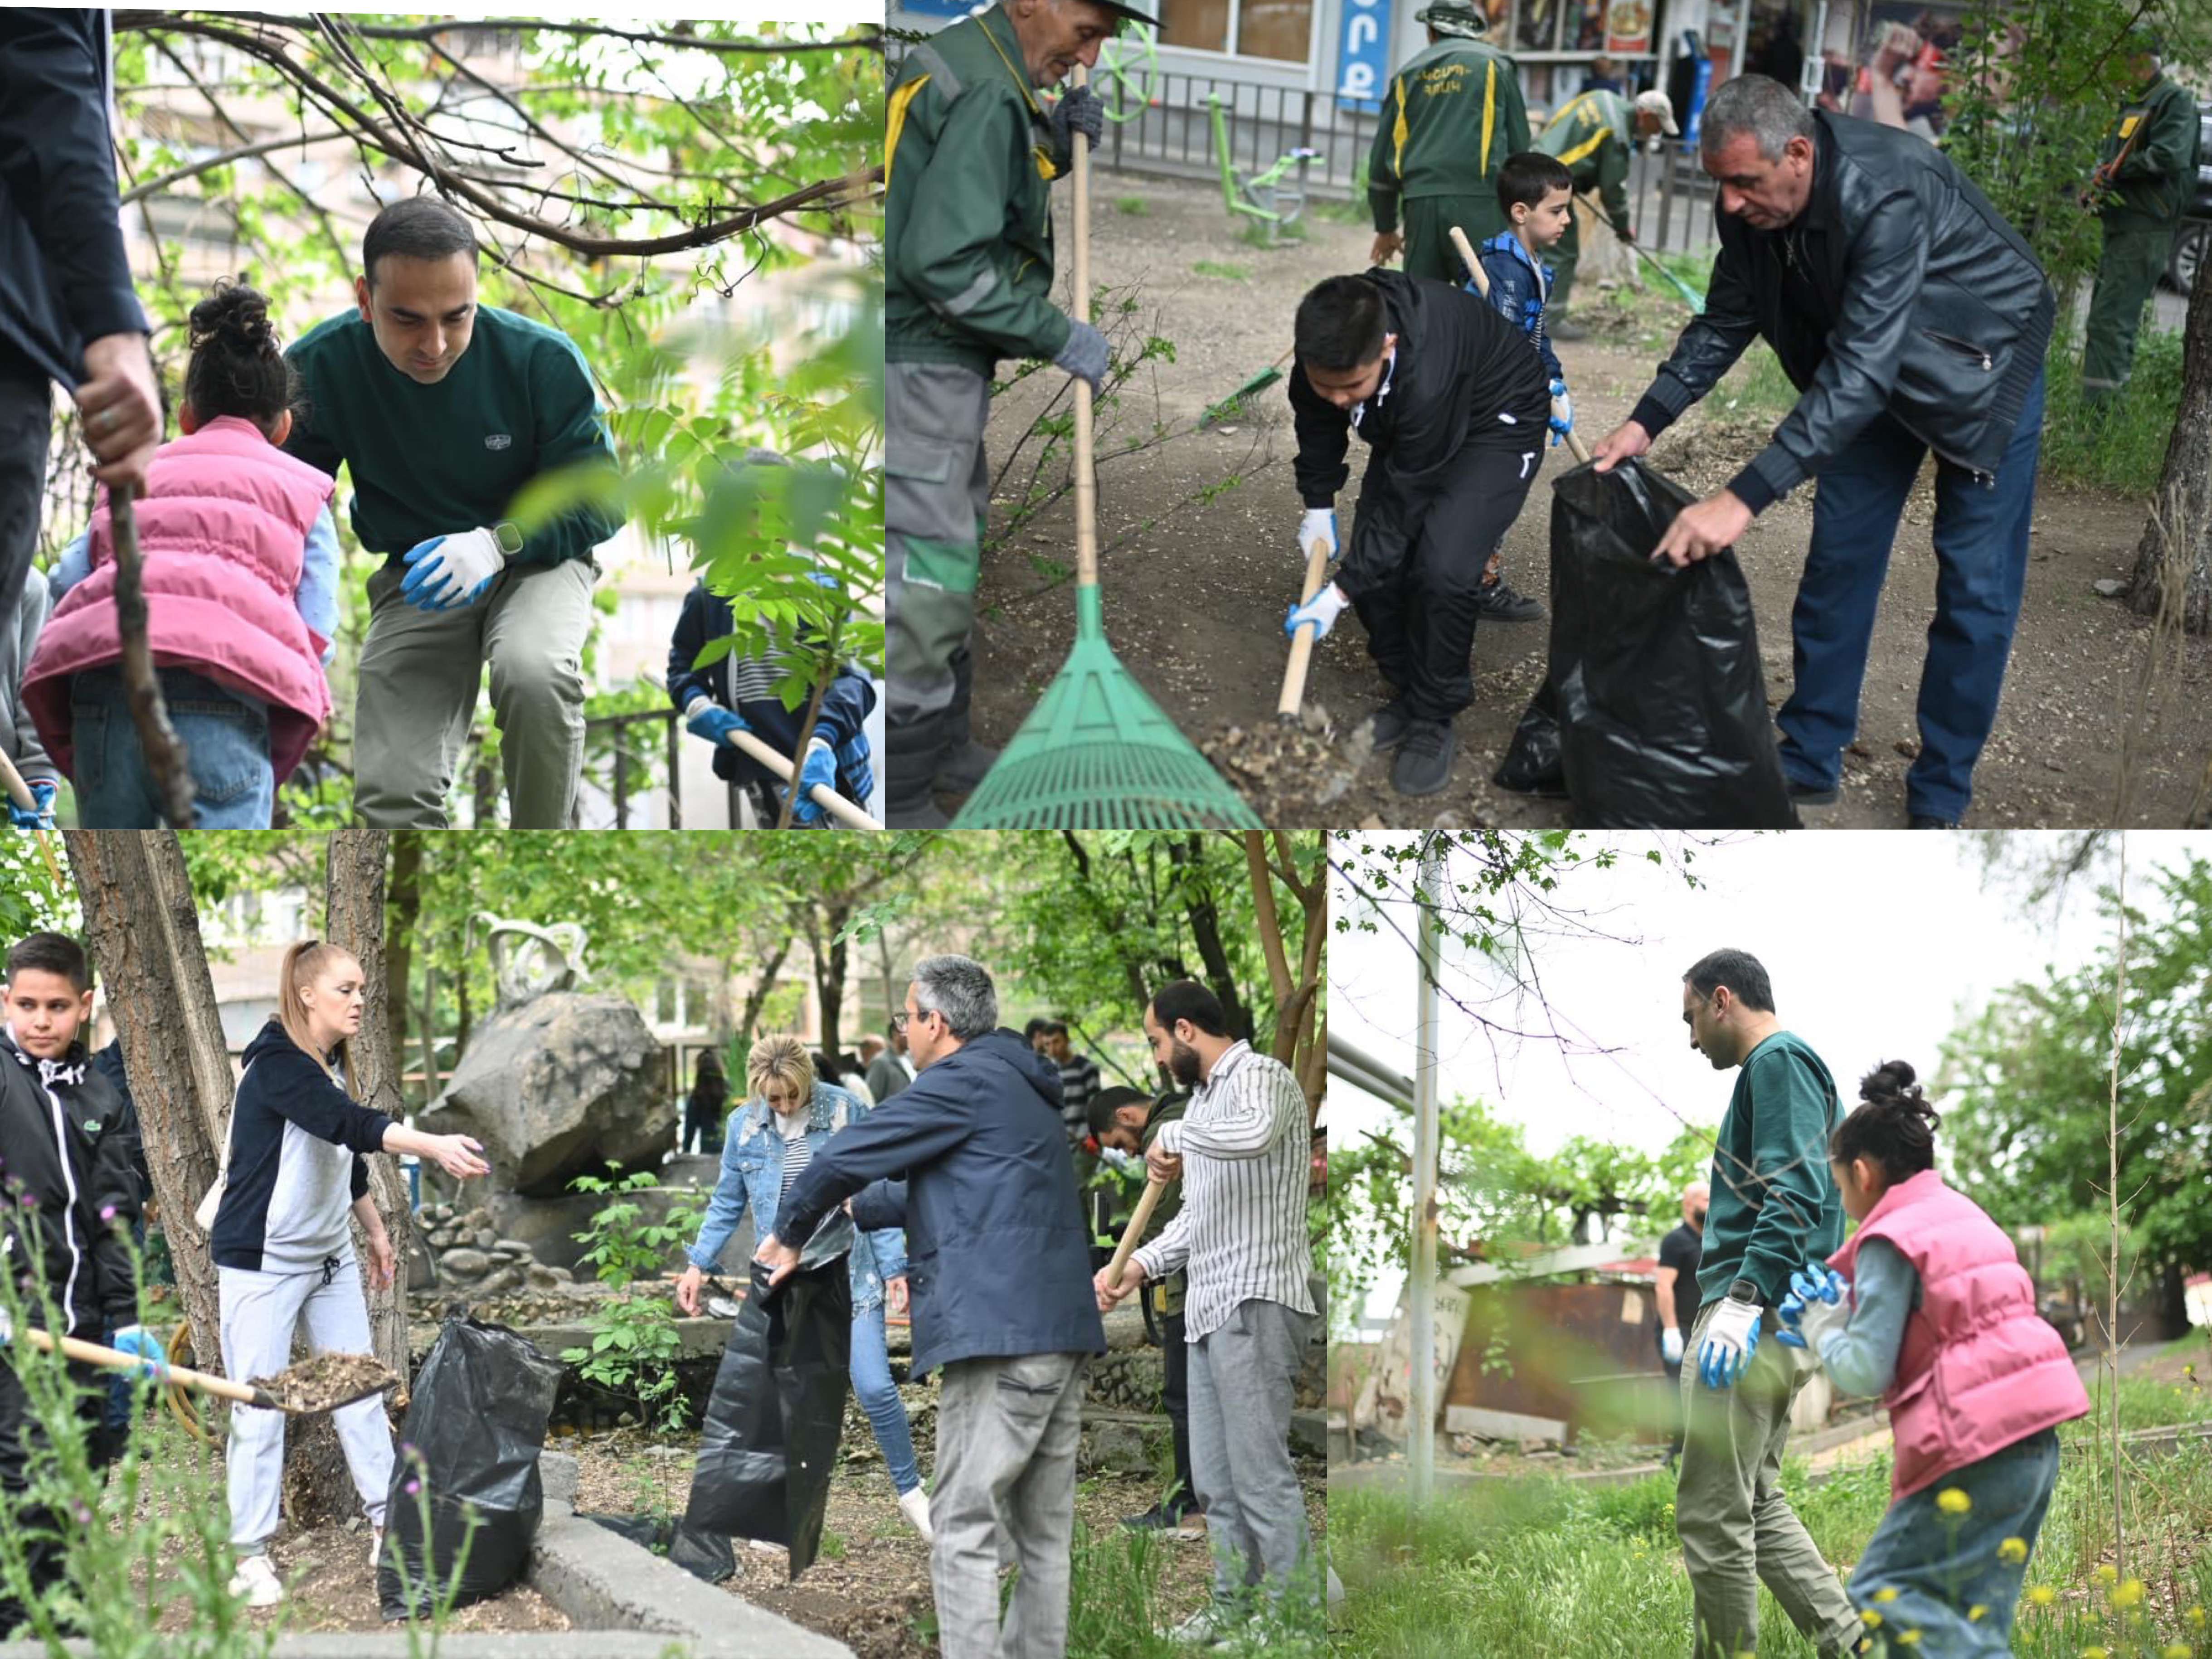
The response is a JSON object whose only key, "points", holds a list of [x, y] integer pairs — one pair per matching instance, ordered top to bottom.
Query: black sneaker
{"points": [[1561, 328], [1496, 602], [1388, 725], [1425, 763], [1806, 795], [1930, 821]]}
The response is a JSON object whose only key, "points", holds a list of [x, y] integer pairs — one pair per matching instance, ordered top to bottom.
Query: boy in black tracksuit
{"points": [[1454, 404], [64, 1150]]}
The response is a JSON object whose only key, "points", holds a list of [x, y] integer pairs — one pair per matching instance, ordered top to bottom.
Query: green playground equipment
{"points": [[1265, 197]]}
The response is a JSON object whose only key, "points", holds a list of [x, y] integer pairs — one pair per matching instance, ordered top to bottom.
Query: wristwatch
{"points": [[509, 538], [1743, 1290]]}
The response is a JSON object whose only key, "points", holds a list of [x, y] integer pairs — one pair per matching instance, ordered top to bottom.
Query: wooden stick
{"points": [[1482, 287], [1086, 476], [1302, 643], [163, 749], [19, 792], [824, 797], [1134, 1230], [91, 1354]]}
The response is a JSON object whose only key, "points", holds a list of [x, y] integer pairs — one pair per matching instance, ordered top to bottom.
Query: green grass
{"points": [[1136, 206], [1228, 273], [2122, 446], [1542, 1567], [1114, 1609]]}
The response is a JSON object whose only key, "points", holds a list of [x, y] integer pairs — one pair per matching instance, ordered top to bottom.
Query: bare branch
{"points": [[138, 20], [155, 186]]}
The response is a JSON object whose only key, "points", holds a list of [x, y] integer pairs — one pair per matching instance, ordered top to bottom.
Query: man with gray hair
{"points": [[1911, 318], [970, 1160]]}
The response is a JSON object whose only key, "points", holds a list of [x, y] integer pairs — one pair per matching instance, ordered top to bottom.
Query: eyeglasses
{"points": [[900, 1020]]}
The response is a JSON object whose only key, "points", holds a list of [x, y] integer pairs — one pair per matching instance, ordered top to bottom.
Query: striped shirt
{"points": [[1078, 1082], [797, 1153], [1240, 1233]]}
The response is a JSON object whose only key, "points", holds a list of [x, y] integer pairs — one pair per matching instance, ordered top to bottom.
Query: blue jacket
{"points": [[1517, 293], [970, 1158], [752, 1173]]}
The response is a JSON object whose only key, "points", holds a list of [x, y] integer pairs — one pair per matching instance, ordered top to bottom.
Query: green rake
{"points": [[1097, 753]]}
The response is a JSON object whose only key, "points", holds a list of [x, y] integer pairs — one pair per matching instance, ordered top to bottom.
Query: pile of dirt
{"points": [[1290, 771], [328, 1380]]}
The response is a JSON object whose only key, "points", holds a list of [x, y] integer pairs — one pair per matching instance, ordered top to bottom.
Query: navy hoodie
{"points": [[64, 1158], [970, 1159]]}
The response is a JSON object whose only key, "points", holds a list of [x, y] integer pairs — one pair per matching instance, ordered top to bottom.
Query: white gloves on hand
{"points": [[1319, 524], [1670, 1345]]}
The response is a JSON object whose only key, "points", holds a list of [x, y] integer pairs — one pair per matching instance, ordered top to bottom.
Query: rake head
{"points": [[1097, 753]]}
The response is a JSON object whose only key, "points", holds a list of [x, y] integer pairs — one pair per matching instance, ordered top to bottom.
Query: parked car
{"points": [[2193, 242]]}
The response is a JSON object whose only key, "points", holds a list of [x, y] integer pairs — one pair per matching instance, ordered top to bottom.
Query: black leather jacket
{"points": [[1899, 289]]}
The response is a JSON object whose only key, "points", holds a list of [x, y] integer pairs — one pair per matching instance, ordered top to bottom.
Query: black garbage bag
{"points": [[1653, 712], [778, 1406], [473, 1433], [702, 1554]]}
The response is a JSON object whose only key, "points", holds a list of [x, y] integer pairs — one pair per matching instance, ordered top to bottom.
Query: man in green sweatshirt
{"points": [[1453, 114], [1595, 135], [969, 155], [2141, 188], [442, 410], [1774, 1207]]}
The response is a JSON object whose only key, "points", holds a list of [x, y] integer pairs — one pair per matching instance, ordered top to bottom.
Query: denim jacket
{"points": [[1517, 293], [752, 1173]]}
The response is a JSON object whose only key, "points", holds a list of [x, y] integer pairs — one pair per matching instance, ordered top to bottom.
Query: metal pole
{"points": [[1421, 1444]]}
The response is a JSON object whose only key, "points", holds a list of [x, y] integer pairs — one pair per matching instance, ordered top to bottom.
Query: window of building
{"points": [[1279, 29]]}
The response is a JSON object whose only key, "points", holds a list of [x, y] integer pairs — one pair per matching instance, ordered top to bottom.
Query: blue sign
{"points": [[935, 7], [1363, 56], [1699, 87]]}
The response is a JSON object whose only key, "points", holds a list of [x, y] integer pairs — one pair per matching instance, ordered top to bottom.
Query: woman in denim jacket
{"points": [[767, 1142]]}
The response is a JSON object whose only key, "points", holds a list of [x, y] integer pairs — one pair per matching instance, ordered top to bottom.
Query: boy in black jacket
{"points": [[1454, 404], [65, 1156]]}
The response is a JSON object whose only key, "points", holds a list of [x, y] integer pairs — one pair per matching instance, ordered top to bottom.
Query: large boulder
{"points": [[559, 1086]]}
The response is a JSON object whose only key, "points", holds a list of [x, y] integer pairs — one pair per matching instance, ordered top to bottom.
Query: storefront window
{"points": [[1201, 25], [1281, 29]]}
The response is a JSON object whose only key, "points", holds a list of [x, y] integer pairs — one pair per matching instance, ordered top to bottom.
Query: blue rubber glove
{"points": [[1563, 413], [447, 573], [1319, 613], [703, 718], [820, 766], [855, 768], [40, 813], [1815, 1305], [1731, 1338], [136, 1339]]}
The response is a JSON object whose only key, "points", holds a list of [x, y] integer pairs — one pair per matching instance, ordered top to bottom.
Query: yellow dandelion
{"points": [[1952, 1501], [2014, 1550], [2107, 1573], [1884, 1595], [2043, 1595], [2127, 1595], [1976, 1612], [2196, 1618], [1870, 1619], [1908, 1638], [1865, 1643], [2174, 1651], [2095, 1653]]}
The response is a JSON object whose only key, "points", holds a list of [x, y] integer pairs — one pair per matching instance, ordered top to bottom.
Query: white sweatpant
{"points": [[260, 1311]]}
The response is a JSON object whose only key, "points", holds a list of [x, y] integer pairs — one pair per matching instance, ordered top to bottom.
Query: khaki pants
{"points": [[419, 674], [1737, 1529]]}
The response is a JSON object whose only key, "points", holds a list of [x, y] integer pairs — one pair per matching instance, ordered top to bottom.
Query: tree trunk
{"points": [[2176, 540], [403, 909], [1205, 917], [142, 931], [829, 974], [764, 983], [1297, 995], [316, 1479]]}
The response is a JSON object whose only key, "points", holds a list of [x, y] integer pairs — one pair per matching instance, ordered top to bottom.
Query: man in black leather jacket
{"points": [[1911, 316]]}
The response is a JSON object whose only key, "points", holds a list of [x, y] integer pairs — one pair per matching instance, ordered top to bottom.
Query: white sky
{"points": [[1876, 943]]}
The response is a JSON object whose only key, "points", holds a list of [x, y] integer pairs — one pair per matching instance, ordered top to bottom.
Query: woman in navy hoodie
{"points": [[295, 1173]]}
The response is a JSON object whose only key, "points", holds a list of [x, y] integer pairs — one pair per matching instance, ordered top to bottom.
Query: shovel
{"points": [[1482, 287], [1294, 676], [19, 792], [823, 795], [1135, 1229], [298, 1394]]}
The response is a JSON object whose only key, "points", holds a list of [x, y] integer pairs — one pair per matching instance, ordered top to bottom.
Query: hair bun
{"points": [[238, 314], [1890, 1087]]}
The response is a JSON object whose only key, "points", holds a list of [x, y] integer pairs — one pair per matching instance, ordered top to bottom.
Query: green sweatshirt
{"points": [[1453, 114], [1594, 136], [968, 161], [2152, 188], [435, 461], [1774, 1202]]}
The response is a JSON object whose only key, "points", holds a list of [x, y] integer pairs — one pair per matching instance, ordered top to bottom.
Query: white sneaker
{"points": [[914, 1505], [375, 1548], [256, 1581], [1206, 1628]]}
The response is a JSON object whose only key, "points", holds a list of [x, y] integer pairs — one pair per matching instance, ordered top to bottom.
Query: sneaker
{"points": [[1560, 328], [1496, 602], [1387, 725], [1424, 764], [1806, 795], [1930, 821], [914, 1505], [1186, 1526], [256, 1581], [1209, 1627]]}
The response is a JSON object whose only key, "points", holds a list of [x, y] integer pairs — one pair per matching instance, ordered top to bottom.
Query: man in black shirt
{"points": [[1454, 405], [1678, 1293]]}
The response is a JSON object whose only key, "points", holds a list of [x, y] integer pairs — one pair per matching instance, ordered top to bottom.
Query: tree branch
{"points": [[139, 20], [154, 186]]}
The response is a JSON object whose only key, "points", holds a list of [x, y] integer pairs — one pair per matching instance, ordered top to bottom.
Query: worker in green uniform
{"points": [[1453, 114], [1594, 136], [969, 159], [2140, 188]]}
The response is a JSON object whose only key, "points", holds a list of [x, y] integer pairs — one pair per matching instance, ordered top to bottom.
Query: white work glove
{"points": [[1562, 412], [1319, 524], [448, 572], [1320, 612], [1818, 1302], [1731, 1338], [1670, 1345]]}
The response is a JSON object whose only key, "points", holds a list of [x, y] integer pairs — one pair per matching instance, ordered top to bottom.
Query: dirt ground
{"points": [[1194, 594]]}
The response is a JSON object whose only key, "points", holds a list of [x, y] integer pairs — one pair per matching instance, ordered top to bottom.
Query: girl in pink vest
{"points": [[240, 560], [1928, 1306]]}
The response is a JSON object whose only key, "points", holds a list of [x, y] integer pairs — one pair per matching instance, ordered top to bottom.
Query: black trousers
{"points": [[26, 429], [1416, 567], [1174, 1397], [20, 1435]]}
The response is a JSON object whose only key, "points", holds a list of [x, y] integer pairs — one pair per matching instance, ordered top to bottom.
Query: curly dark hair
{"points": [[238, 365], [1894, 1124]]}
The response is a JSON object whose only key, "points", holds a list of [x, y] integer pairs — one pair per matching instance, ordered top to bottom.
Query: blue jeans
{"points": [[1981, 556], [226, 747], [879, 1398], [1941, 1565]]}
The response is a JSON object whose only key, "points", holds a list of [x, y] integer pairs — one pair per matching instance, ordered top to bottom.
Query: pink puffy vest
{"points": [[222, 531], [1978, 1369]]}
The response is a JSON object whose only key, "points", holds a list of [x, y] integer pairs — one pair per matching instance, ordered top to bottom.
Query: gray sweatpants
{"points": [[937, 491], [419, 674], [259, 1312], [1242, 1380], [1007, 1436]]}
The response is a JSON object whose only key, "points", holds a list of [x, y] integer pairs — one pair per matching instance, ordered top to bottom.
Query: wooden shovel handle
{"points": [[1482, 287], [1086, 476], [1302, 643], [18, 791], [823, 795], [1135, 1229], [114, 1359]]}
